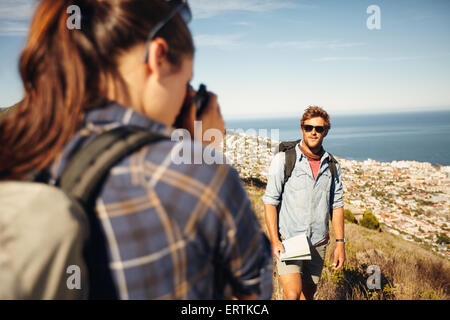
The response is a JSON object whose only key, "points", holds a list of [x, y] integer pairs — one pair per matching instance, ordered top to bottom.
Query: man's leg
{"points": [[312, 272], [290, 279], [292, 286], [308, 291]]}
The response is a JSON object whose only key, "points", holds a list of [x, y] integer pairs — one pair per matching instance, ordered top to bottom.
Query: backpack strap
{"points": [[288, 147], [290, 156], [289, 163], [89, 166], [332, 166], [82, 178]]}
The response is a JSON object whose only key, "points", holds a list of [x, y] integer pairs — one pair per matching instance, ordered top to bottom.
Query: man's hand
{"points": [[270, 213], [277, 247], [339, 256]]}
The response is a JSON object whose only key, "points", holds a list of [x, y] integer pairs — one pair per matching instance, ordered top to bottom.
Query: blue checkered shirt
{"points": [[170, 227]]}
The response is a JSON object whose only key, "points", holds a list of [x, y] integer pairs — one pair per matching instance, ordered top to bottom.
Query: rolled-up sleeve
{"points": [[275, 180], [338, 189]]}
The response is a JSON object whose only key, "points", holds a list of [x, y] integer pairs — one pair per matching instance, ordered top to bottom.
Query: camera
{"points": [[200, 100]]}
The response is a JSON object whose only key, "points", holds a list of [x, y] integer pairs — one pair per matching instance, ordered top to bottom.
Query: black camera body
{"points": [[200, 100]]}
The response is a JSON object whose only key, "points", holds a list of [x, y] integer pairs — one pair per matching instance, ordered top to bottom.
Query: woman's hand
{"points": [[212, 123]]}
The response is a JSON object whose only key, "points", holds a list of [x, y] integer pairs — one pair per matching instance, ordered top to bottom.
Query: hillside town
{"points": [[411, 199]]}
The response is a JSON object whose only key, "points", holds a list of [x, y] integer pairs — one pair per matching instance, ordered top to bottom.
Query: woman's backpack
{"points": [[51, 244]]}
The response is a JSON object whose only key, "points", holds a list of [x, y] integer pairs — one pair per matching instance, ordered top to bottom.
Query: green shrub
{"points": [[348, 215], [370, 221], [443, 239]]}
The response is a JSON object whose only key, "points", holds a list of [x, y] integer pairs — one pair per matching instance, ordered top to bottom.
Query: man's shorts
{"points": [[311, 270]]}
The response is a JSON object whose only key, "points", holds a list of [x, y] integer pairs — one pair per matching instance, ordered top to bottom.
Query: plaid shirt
{"points": [[170, 228]]}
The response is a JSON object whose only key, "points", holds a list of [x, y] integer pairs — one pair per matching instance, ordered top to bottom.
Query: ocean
{"points": [[415, 136]]}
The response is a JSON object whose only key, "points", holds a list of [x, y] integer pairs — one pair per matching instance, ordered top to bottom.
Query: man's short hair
{"points": [[314, 112]]}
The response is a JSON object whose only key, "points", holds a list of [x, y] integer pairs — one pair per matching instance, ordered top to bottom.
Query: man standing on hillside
{"points": [[312, 191]]}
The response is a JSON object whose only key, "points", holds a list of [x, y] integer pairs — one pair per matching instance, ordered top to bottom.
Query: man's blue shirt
{"points": [[306, 201]]}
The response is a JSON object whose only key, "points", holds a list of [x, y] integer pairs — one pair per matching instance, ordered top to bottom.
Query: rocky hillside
{"points": [[408, 271]]}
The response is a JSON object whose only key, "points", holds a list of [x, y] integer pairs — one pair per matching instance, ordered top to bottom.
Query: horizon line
{"points": [[338, 113]]}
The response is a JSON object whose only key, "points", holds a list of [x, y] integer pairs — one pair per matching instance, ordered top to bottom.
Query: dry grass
{"points": [[408, 271]]}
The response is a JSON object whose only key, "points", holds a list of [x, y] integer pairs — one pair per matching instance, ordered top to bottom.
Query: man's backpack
{"points": [[288, 147], [49, 235]]}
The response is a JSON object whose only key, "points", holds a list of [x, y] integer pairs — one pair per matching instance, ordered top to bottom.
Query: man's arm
{"points": [[271, 200], [338, 221], [272, 226], [338, 228]]}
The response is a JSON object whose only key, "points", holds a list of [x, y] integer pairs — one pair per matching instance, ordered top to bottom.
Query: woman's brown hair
{"points": [[64, 72]]}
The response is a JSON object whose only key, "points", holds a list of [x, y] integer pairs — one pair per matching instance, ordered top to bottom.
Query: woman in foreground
{"points": [[170, 231]]}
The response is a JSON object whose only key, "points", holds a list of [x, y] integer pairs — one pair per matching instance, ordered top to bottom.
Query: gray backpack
{"points": [[50, 244]]}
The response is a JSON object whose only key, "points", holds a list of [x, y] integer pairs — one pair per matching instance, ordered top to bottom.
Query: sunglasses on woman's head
{"points": [[182, 8], [309, 128]]}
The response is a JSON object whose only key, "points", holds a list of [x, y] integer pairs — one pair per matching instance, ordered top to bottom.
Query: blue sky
{"points": [[275, 57]]}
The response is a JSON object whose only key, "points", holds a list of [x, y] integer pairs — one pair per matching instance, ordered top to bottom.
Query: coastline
{"points": [[420, 136], [410, 198]]}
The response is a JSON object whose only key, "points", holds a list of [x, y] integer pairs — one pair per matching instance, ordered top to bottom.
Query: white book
{"points": [[296, 248]]}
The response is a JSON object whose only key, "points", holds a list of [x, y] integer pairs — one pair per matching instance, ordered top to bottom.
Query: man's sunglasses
{"points": [[181, 7], [309, 128]]}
